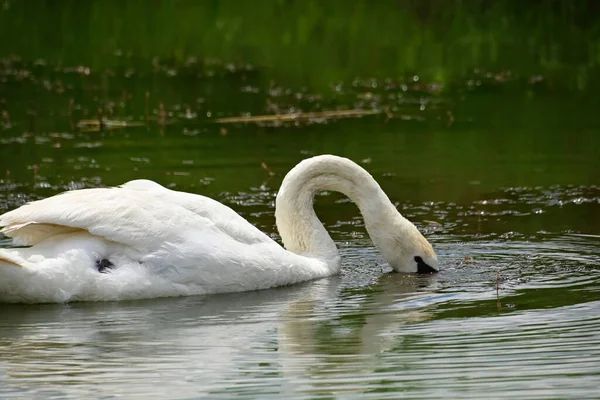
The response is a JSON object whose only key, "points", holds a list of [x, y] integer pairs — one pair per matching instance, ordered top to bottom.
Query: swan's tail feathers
{"points": [[31, 233], [10, 259]]}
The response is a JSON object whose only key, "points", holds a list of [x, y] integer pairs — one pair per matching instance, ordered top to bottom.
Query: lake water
{"points": [[501, 174]]}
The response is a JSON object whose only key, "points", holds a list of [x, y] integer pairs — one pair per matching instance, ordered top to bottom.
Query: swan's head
{"points": [[408, 251]]}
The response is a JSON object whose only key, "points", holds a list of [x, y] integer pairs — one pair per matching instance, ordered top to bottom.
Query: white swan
{"points": [[141, 240]]}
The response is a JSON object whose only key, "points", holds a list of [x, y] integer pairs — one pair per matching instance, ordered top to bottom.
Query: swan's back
{"points": [[138, 211], [229, 221]]}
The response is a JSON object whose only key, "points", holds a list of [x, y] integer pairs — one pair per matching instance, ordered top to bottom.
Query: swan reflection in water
{"points": [[207, 343]]}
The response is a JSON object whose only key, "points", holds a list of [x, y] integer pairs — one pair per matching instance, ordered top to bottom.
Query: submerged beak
{"points": [[424, 268]]}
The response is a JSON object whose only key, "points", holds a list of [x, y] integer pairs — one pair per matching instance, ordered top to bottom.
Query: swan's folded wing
{"points": [[124, 216], [226, 219], [30, 233]]}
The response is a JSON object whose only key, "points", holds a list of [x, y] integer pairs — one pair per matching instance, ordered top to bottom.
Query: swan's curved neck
{"points": [[301, 230]]}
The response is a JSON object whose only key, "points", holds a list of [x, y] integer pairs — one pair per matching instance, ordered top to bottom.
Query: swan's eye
{"points": [[423, 267]]}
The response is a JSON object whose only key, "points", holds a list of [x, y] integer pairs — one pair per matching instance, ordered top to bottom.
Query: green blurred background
{"points": [[314, 42]]}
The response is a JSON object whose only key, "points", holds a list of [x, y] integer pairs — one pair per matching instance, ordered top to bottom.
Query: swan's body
{"points": [[142, 240]]}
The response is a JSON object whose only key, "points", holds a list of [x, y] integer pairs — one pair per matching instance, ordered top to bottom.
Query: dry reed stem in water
{"points": [[299, 116]]}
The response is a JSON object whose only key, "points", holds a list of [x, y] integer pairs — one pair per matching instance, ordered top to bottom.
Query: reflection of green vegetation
{"points": [[313, 41]]}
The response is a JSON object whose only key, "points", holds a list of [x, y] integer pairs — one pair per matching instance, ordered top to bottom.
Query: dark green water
{"points": [[499, 169]]}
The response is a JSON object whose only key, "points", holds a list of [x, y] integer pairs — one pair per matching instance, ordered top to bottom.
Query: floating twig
{"points": [[298, 116], [98, 125], [264, 166], [498, 303]]}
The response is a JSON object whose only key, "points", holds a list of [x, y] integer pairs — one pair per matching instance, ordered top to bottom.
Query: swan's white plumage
{"points": [[149, 213], [167, 243]]}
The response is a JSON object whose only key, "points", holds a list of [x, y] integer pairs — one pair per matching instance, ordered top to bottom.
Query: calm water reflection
{"points": [[508, 195], [367, 333]]}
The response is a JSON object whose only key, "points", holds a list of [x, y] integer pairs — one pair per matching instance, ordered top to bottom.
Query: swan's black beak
{"points": [[423, 267]]}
